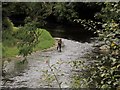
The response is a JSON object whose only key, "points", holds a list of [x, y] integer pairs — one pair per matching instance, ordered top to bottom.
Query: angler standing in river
{"points": [[59, 45]]}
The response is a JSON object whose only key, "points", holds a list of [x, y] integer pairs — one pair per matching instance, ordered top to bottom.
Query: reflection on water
{"points": [[71, 33]]}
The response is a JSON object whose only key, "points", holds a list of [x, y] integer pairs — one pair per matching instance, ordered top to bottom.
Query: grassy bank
{"points": [[46, 41]]}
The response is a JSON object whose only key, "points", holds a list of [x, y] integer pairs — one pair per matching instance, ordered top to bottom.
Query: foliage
{"points": [[7, 8], [65, 11], [38, 12], [7, 24], [89, 25], [21, 36], [8, 38], [46, 40], [27, 43], [108, 67], [105, 72], [52, 74], [79, 74]]}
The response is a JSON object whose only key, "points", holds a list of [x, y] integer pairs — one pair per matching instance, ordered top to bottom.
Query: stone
{"points": [[105, 47]]}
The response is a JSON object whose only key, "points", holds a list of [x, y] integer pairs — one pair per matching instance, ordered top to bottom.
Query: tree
{"points": [[65, 11], [38, 12], [105, 73]]}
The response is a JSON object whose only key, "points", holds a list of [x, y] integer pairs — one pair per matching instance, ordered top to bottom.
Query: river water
{"points": [[70, 32], [42, 67], [32, 75]]}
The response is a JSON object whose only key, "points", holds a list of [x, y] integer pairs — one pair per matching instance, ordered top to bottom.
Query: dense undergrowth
{"points": [[15, 38], [105, 71]]}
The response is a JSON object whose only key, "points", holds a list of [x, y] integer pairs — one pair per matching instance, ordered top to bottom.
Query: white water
{"points": [[32, 76]]}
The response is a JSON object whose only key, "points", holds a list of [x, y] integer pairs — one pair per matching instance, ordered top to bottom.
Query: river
{"points": [[43, 65]]}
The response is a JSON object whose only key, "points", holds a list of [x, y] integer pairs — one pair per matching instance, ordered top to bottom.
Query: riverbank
{"points": [[46, 41]]}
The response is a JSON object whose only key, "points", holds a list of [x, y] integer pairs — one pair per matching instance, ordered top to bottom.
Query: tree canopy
{"points": [[40, 12]]}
